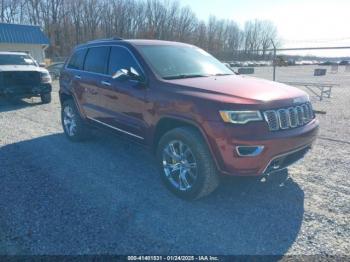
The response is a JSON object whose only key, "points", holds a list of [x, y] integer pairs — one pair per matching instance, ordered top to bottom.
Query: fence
{"points": [[56, 59], [323, 73]]}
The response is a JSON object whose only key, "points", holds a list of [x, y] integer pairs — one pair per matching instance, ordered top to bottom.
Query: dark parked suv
{"points": [[199, 118]]}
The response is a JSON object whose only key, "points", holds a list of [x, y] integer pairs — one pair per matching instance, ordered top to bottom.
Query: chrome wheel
{"points": [[69, 120], [179, 164]]}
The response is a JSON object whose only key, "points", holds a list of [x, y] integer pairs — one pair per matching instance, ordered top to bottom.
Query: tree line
{"points": [[71, 22]]}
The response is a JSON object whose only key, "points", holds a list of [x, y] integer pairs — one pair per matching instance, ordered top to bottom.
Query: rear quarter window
{"points": [[77, 60]]}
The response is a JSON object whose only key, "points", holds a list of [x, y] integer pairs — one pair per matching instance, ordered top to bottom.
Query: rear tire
{"points": [[46, 98], [73, 125], [193, 163]]}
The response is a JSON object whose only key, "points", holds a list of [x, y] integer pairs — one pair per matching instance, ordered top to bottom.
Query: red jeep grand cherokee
{"points": [[199, 118]]}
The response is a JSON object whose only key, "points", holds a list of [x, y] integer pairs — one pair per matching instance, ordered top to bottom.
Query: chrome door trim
{"points": [[105, 83], [115, 128]]}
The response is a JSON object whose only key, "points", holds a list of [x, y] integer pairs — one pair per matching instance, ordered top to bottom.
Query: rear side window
{"points": [[120, 58], [77, 60], [96, 60]]}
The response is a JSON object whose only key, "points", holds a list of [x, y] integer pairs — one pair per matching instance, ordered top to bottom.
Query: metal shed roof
{"points": [[22, 34]]}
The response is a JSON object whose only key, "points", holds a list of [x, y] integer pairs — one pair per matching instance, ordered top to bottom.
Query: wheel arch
{"points": [[64, 96], [168, 123]]}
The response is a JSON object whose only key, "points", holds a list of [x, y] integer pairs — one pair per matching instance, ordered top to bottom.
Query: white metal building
{"points": [[24, 38]]}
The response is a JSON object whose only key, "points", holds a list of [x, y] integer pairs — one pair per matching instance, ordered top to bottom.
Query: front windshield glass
{"points": [[13, 59], [174, 62]]}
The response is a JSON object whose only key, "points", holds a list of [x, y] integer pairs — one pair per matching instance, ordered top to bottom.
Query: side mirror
{"points": [[42, 65], [121, 74], [128, 74]]}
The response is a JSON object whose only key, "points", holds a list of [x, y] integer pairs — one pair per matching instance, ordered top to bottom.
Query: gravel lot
{"points": [[105, 196]]}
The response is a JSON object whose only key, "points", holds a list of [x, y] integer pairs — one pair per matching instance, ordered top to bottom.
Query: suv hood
{"points": [[21, 68], [241, 89]]}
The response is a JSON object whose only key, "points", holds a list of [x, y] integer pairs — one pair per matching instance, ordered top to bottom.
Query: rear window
{"points": [[14, 59], [77, 60], [96, 60]]}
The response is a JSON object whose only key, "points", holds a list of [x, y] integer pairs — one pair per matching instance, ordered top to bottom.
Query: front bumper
{"points": [[25, 91], [281, 148]]}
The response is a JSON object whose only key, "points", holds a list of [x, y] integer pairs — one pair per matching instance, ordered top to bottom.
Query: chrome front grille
{"points": [[300, 113], [283, 117], [293, 117], [287, 118], [272, 120]]}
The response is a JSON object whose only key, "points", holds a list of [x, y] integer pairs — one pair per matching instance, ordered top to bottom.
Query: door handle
{"points": [[77, 77], [105, 83]]}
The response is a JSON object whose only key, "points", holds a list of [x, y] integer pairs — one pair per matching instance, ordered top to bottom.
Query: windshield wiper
{"points": [[226, 74], [184, 76]]}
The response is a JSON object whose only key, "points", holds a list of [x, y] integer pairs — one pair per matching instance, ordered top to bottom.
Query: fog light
{"points": [[249, 150]]}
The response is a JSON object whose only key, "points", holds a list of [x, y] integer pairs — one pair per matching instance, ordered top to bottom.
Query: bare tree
{"points": [[33, 8], [10, 10], [76, 13], [68, 23], [186, 23], [268, 33], [258, 35]]}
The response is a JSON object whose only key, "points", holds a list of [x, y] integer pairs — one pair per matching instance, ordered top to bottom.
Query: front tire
{"points": [[46, 98], [73, 125], [186, 165]]}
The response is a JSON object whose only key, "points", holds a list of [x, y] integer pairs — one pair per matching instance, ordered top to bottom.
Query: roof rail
{"points": [[105, 39]]}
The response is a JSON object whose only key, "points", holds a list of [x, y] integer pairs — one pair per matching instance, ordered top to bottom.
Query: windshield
{"points": [[15, 59], [174, 62]]}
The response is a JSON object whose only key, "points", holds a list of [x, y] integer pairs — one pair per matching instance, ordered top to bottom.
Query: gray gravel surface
{"points": [[105, 196]]}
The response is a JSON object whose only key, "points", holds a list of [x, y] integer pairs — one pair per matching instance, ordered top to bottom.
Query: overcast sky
{"points": [[299, 22]]}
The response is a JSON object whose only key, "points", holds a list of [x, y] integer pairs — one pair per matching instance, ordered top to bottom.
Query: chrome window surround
{"points": [[107, 45]]}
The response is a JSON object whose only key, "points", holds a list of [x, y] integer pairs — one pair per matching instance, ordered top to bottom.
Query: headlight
{"points": [[45, 77], [240, 117]]}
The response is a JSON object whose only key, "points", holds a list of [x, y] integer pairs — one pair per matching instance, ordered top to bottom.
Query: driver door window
{"points": [[122, 61]]}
